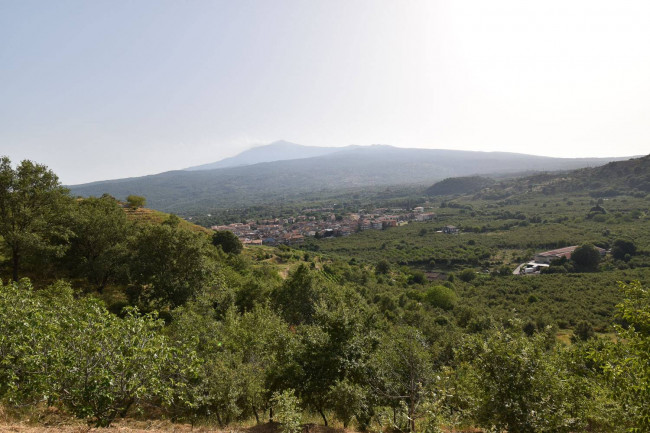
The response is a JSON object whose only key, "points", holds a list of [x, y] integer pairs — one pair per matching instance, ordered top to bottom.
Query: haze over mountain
{"points": [[277, 151], [190, 191]]}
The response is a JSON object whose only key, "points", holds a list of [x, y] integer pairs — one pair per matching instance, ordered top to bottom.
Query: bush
{"points": [[135, 201], [228, 242], [623, 250], [586, 258], [467, 275], [441, 297], [583, 331], [59, 350], [288, 412]]}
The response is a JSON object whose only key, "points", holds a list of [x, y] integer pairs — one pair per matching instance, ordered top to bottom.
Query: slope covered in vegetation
{"points": [[131, 319]]}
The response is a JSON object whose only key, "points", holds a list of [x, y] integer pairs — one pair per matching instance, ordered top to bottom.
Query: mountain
{"points": [[276, 151], [197, 191]]}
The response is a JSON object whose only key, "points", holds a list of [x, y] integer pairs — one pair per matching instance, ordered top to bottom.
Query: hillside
{"points": [[615, 178], [459, 185], [200, 191], [151, 216]]}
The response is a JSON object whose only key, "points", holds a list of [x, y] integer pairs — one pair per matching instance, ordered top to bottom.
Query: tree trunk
{"points": [[16, 263], [126, 408], [320, 411], [271, 414], [257, 417], [412, 418]]}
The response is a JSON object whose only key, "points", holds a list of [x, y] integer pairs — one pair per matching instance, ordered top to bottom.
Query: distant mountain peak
{"points": [[280, 150]]}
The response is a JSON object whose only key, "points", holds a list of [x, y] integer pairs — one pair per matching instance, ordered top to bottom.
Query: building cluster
{"points": [[321, 223]]}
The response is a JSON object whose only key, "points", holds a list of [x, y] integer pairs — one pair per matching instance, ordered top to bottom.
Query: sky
{"points": [[110, 89]]}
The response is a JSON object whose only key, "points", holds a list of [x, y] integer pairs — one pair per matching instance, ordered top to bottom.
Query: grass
{"points": [[145, 215]]}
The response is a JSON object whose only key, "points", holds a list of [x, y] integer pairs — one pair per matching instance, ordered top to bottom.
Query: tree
{"points": [[136, 201], [33, 205], [228, 241], [98, 249], [623, 249], [586, 258], [170, 264], [382, 267], [467, 275], [441, 297], [296, 299], [583, 332], [335, 347], [58, 349], [627, 361], [111, 363], [404, 370], [522, 385], [288, 411]]}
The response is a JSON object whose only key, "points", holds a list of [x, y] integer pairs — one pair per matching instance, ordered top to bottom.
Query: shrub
{"points": [[467, 275], [441, 297], [288, 412]]}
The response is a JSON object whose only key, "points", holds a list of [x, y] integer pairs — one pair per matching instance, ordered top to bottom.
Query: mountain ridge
{"points": [[280, 150], [195, 191]]}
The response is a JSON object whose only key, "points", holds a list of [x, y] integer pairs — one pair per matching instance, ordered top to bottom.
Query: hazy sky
{"points": [[107, 89]]}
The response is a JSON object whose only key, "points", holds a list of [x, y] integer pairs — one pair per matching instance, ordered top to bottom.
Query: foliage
{"points": [[135, 201], [33, 209], [228, 242], [622, 249], [98, 250], [586, 257], [169, 264], [467, 275], [441, 297], [75, 353], [627, 362], [111, 364], [404, 370], [522, 385], [288, 413]]}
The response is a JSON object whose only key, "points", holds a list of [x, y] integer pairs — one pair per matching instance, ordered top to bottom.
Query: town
{"points": [[321, 223]]}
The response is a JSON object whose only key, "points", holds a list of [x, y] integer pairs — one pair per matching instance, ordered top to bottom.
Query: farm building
{"points": [[548, 256]]}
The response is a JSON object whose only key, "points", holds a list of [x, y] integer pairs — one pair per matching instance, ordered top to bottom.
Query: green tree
{"points": [[135, 201], [33, 209], [228, 241], [98, 248], [623, 248], [586, 258], [169, 264], [382, 267], [467, 275], [441, 297], [296, 299], [336, 346], [60, 350], [627, 361], [111, 363], [404, 370], [522, 385], [289, 414]]}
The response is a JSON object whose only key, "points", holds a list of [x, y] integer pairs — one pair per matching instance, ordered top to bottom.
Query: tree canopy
{"points": [[33, 210]]}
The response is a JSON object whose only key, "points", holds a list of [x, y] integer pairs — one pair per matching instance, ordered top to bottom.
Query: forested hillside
{"points": [[204, 191], [115, 311]]}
